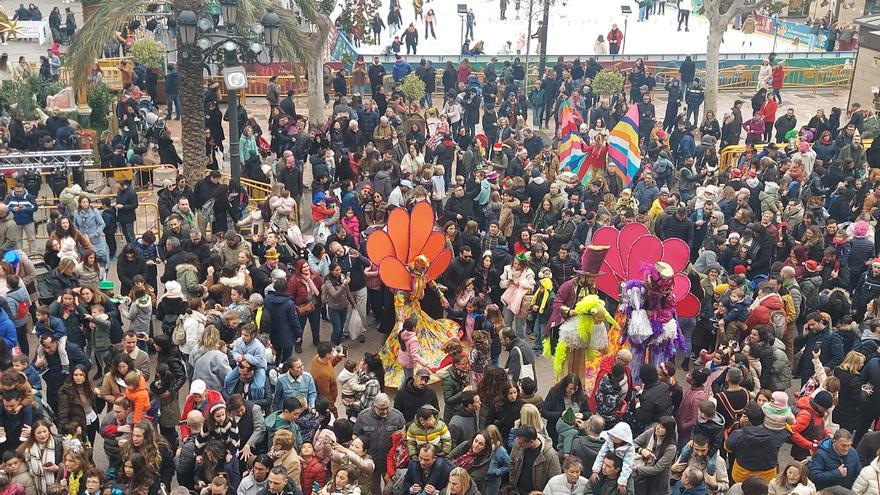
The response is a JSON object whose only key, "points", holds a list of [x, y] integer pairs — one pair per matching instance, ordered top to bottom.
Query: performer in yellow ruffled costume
{"points": [[411, 256], [432, 334]]}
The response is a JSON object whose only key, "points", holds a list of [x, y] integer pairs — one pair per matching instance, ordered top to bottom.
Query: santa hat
{"points": [[497, 147], [735, 173]]}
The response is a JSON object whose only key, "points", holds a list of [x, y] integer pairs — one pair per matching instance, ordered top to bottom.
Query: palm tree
{"points": [[295, 43]]}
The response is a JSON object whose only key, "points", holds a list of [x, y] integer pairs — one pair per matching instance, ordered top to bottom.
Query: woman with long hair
{"points": [[90, 223], [68, 237], [129, 264], [88, 270], [63, 277], [518, 280], [487, 281], [304, 287], [335, 294], [72, 314], [193, 326], [209, 361], [371, 374], [170, 378], [113, 385], [490, 390], [568, 393], [851, 396], [77, 403], [505, 410], [528, 415], [656, 447], [156, 451], [43, 452], [475, 457], [357, 460], [76, 465], [797, 474], [136, 475], [343, 483], [460, 483]]}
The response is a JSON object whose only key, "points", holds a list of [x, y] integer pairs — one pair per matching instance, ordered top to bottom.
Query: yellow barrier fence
{"points": [[745, 77], [730, 155], [147, 219]]}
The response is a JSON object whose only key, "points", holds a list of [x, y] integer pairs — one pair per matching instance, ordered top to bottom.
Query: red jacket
{"points": [[615, 36], [778, 75], [768, 110], [298, 291], [761, 314], [604, 369], [211, 397], [802, 423], [312, 471]]}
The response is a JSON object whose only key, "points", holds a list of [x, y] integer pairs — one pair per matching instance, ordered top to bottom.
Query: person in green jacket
{"points": [[536, 101], [247, 145]]}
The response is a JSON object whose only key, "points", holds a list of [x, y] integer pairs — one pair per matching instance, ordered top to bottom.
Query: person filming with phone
{"points": [[816, 335]]}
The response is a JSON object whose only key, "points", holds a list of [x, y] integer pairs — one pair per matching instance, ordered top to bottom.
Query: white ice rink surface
{"points": [[574, 28]]}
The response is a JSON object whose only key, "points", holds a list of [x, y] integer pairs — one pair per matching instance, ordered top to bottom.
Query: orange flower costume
{"points": [[411, 256]]}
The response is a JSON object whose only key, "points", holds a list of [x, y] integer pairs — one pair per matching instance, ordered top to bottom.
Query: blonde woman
{"points": [[518, 281], [209, 361], [851, 396], [528, 415], [284, 454], [796, 479], [460, 483]]}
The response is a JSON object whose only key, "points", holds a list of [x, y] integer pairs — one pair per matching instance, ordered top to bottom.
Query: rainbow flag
{"points": [[571, 144], [623, 146]]}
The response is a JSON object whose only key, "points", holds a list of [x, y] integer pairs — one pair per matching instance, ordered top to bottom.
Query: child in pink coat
{"points": [[352, 225], [410, 350]]}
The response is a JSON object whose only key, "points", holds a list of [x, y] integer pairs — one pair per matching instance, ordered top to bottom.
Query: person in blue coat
{"points": [[400, 69], [23, 204], [90, 223], [285, 329], [7, 331], [817, 336], [835, 463]]}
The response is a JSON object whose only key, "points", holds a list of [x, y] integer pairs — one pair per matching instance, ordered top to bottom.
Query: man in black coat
{"points": [[687, 71], [376, 74], [288, 106], [126, 206], [459, 207], [460, 269], [414, 394], [654, 401], [428, 469]]}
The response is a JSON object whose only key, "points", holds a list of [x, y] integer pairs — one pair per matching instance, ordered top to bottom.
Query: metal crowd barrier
{"points": [[730, 155]]}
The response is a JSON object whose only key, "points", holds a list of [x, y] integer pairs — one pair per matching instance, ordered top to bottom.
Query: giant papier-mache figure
{"points": [[642, 272]]}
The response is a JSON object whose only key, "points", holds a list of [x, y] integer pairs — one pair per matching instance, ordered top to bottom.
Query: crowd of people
{"points": [[193, 369]]}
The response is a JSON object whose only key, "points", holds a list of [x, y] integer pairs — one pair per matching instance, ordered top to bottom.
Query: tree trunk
{"points": [[713, 47], [315, 73], [193, 118]]}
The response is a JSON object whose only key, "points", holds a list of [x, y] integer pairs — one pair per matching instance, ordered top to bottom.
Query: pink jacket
{"points": [[412, 355], [686, 417]]}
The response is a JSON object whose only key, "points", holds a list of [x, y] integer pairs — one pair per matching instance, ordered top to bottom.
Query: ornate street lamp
{"points": [[230, 48]]}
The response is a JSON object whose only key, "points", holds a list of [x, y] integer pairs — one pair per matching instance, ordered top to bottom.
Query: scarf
{"points": [[310, 284], [547, 285], [466, 460], [73, 482]]}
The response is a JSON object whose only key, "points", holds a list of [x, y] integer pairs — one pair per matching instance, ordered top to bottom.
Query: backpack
{"points": [[208, 210], [24, 307], [778, 320], [178, 336], [738, 415]]}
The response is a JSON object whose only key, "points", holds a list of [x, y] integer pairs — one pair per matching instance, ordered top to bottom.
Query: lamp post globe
{"points": [[188, 23]]}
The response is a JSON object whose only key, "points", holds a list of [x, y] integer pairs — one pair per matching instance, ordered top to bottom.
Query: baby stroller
{"points": [[151, 126]]}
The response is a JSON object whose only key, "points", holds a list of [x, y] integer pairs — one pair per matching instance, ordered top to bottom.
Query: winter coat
{"points": [[127, 197], [28, 204], [188, 277], [193, 327], [285, 330], [411, 356], [212, 366], [776, 368], [409, 399], [808, 427], [756, 448], [546, 465], [824, 470], [653, 479], [868, 482], [559, 485]]}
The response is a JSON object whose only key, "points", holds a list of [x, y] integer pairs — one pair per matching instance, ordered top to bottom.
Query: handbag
{"points": [[306, 308], [525, 370]]}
